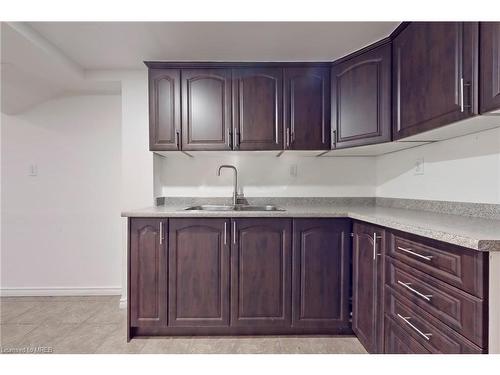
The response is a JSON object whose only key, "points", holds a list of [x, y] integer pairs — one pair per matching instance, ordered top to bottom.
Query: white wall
{"points": [[137, 161], [465, 169], [266, 176], [61, 229]]}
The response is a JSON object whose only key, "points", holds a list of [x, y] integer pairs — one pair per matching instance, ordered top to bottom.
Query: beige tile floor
{"points": [[97, 325]]}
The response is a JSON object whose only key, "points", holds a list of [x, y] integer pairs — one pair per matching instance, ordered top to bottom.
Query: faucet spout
{"points": [[235, 190]]}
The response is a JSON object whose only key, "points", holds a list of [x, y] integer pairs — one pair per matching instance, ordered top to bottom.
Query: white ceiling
{"points": [[125, 45], [44, 60]]}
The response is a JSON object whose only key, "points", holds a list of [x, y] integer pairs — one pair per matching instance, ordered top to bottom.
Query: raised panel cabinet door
{"points": [[489, 45], [434, 76], [361, 99], [258, 108], [307, 108], [164, 109], [206, 109], [261, 266], [147, 270], [321, 273], [198, 282], [368, 285]]}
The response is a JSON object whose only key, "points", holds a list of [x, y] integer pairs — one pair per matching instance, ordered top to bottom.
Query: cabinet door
{"points": [[490, 66], [434, 76], [361, 99], [258, 108], [307, 108], [164, 109], [206, 109], [148, 268], [261, 273], [321, 275], [368, 283], [198, 286]]}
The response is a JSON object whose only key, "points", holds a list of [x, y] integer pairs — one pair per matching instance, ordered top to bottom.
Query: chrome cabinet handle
{"points": [[462, 95], [462, 107], [287, 137], [177, 139], [229, 143], [234, 232], [161, 233], [225, 233], [375, 238], [426, 257], [427, 297], [406, 319]]}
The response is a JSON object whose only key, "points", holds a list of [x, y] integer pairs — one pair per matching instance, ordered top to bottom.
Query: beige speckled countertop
{"points": [[472, 232]]}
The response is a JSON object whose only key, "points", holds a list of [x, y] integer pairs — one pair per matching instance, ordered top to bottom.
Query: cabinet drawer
{"points": [[457, 266], [457, 309], [427, 330], [397, 341]]}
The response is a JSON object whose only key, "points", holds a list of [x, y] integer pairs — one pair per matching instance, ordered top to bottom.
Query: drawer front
{"points": [[457, 266], [457, 309], [427, 330], [397, 341]]}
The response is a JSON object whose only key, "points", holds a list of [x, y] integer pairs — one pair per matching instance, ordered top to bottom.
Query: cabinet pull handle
{"points": [[463, 106], [287, 137], [236, 138], [334, 138], [177, 139], [161, 232], [234, 232], [225, 233], [375, 238], [426, 257], [427, 297], [406, 319]]}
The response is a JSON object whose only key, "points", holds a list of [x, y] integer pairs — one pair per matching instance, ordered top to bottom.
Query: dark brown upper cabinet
{"points": [[489, 66], [434, 76], [361, 98], [258, 108], [307, 108], [164, 109], [206, 109], [148, 270], [261, 272], [321, 273], [198, 279], [368, 286]]}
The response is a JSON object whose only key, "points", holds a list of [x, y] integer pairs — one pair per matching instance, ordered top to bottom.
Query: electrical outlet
{"points": [[419, 167], [33, 170], [293, 170]]}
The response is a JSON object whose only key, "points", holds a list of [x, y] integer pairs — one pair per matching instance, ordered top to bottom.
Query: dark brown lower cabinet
{"points": [[147, 272], [261, 272], [321, 273], [198, 280], [368, 286], [397, 341]]}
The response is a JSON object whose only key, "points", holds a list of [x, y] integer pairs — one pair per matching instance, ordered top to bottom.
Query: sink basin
{"points": [[214, 207]]}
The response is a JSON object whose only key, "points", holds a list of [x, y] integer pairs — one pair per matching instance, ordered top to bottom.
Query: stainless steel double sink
{"points": [[238, 207]]}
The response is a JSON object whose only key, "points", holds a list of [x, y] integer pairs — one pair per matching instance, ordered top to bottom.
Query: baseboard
{"points": [[55, 292]]}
